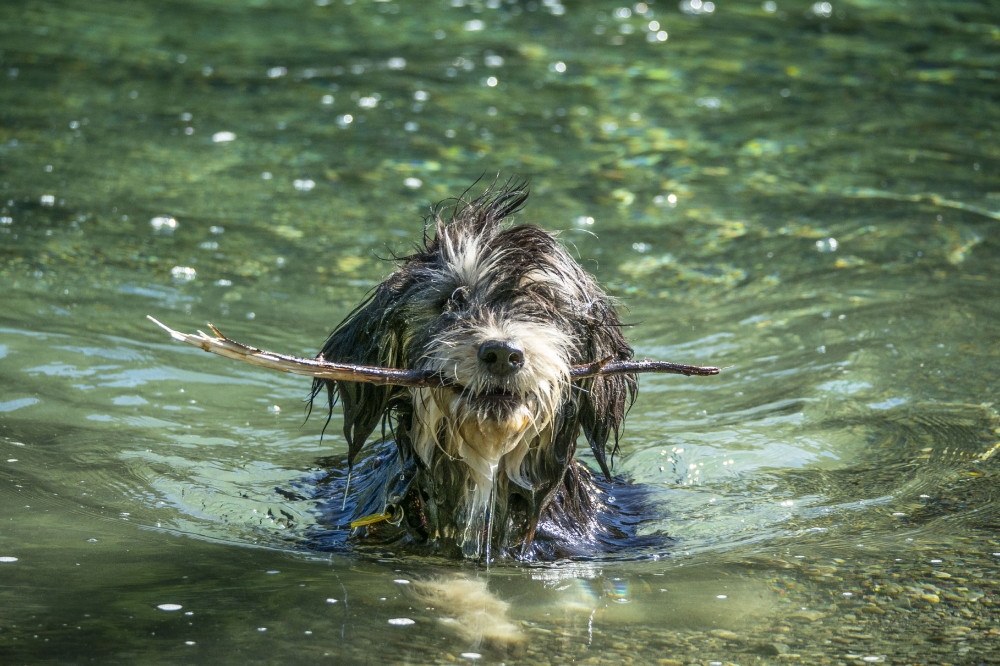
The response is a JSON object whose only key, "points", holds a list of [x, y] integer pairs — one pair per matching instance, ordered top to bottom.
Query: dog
{"points": [[485, 466]]}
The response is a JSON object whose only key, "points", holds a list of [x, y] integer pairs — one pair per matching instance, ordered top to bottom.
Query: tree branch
{"points": [[347, 372]]}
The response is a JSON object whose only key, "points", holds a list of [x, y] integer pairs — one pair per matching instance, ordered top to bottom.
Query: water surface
{"points": [[806, 193]]}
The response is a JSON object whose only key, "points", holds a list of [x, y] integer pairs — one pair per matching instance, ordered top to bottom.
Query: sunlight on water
{"points": [[804, 193]]}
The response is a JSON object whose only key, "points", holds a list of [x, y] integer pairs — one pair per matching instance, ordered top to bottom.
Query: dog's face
{"points": [[502, 312], [494, 316]]}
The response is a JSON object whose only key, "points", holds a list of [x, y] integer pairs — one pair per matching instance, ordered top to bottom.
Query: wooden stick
{"points": [[347, 372]]}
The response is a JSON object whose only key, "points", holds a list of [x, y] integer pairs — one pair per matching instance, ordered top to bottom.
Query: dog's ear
{"points": [[368, 336], [606, 399]]}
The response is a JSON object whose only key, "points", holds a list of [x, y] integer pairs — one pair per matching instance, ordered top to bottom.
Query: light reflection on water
{"points": [[805, 193]]}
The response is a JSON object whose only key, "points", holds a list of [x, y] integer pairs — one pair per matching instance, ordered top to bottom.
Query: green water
{"points": [[808, 194]]}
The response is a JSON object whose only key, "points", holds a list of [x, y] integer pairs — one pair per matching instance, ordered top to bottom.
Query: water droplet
{"points": [[695, 7], [823, 9], [223, 137], [827, 245], [183, 273], [8, 558], [170, 607], [401, 621]]}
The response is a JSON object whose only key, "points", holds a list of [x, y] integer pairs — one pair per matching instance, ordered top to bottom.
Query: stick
{"points": [[297, 365], [348, 372]]}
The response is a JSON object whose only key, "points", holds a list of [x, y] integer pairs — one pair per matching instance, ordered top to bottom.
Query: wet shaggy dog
{"points": [[485, 466]]}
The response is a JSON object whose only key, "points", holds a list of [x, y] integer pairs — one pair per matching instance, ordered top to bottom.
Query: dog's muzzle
{"points": [[500, 358], [500, 361]]}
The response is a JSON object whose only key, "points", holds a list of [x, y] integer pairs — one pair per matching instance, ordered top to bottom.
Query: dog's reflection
{"points": [[470, 610]]}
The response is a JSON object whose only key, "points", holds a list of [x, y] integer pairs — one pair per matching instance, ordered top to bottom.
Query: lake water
{"points": [[806, 193]]}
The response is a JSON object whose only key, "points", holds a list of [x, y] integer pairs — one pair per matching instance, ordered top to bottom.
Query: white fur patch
{"points": [[465, 258], [447, 422]]}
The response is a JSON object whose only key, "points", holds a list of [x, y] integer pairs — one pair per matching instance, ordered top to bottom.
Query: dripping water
{"points": [[347, 488], [489, 523]]}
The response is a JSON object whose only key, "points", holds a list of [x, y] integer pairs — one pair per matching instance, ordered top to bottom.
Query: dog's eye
{"points": [[458, 298]]}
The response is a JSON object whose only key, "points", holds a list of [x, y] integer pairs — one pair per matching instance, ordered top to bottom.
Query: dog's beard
{"points": [[489, 423]]}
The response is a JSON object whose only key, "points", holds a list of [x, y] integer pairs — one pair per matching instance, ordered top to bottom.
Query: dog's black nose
{"points": [[500, 358]]}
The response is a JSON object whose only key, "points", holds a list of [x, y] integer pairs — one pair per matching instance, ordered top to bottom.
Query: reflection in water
{"points": [[468, 608]]}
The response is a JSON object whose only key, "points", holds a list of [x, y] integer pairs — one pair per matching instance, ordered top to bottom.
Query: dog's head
{"points": [[502, 311]]}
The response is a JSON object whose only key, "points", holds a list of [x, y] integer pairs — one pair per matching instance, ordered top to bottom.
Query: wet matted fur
{"points": [[485, 467]]}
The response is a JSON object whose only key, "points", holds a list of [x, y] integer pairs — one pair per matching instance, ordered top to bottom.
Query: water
{"points": [[805, 192]]}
